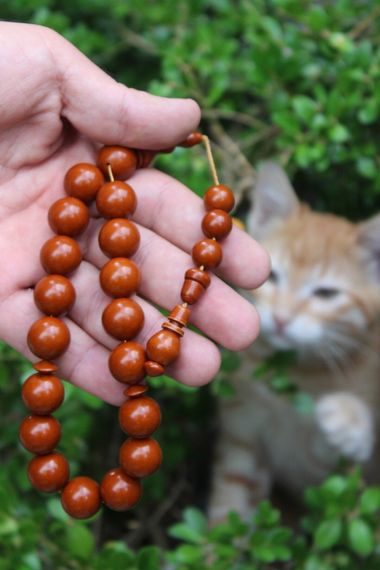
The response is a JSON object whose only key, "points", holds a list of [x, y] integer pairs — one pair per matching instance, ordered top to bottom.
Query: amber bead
{"points": [[192, 140], [145, 157], [123, 161], [83, 181], [219, 197], [116, 200], [68, 216], [217, 224], [119, 238], [207, 252], [60, 254], [198, 275], [119, 277], [191, 291], [54, 295], [180, 315], [123, 319], [174, 327], [48, 337], [163, 347], [126, 362], [45, 367], [153, 368], [135, 391], [42, 393], [139, 417], [40, 434], [140, 457], [49, 473], [119, 491], [81, 497]]}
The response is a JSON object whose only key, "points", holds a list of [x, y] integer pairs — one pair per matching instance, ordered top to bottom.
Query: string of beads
{"points": [[129, 363]]}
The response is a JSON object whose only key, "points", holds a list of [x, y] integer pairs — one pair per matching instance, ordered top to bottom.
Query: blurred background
{"points": [[298, 80]]}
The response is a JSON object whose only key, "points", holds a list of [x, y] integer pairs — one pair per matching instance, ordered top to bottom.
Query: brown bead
{"points": [[192, 140], [145, 157], [123, 161], [83, 180], [219, 197], [116, 200], [68, 216], [217, 224], [119, 238], [207, 252], [60, 254], [198, 275], [119, 277], [191, 291], [54, 295], [180, 315], [123, 319], [174, 327], [48, 337], [163, 347], [126, 362], [45, 367], [153, 368], [135, 391], [42, 393], [140, 417], [40, 434], [140, 457], [49, 473], [119, 491], [81, 497]]}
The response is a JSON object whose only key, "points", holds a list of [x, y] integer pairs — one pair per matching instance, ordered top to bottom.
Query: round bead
{"points": [[123, 161], [83, 181], [219, 197], [116, 200], [68, 216], [217, 224], [119, 238], [207, 252], [60, 254], [119, 277], [54, 295], [123, 319], [48, 338], [163, 347], [126, 362], [45, 367], [153, 368], [42, 393], [140, 417], [40, 434], [140, 457], [48, 473], [119, 491], [81, 497]]}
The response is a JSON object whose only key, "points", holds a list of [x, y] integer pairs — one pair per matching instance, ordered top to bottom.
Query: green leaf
{"points": [[304, 107], [339, 133], [366, 167], [369, 502], [195, 520], [186, 533], [328, 534], [360, 536], [79, 541], [149, 558]]}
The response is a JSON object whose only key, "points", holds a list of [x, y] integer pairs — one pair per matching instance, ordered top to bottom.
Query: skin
{"points": [[56, 107]]}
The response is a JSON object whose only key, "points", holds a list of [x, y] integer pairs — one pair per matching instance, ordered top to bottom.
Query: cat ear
{"points": [[273, 200]]}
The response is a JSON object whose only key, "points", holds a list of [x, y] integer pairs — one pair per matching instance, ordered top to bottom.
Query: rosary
{"points": [[129, 363]]}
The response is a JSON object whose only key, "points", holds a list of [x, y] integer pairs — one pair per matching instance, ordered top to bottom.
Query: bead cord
{"points": [[123, 318]]}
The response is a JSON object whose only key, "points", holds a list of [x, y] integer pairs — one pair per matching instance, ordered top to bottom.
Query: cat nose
{"points": [[280, 322]]}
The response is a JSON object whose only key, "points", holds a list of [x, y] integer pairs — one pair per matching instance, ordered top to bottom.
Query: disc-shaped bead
{"points": [[123, 161], [83, 181], [219, 197], [116, 200], [68, 216], [217, 224], [119, 238], [207, 252], [60, 254], [119, 277], [54, 295], [123, 319], [48, 337], [163, 347], [126, 362], [45, 367], [153, 368], [42, 393], [140, 417], [40, 434], [140, 457], [48, 473], [119, 491], [81, 497]]}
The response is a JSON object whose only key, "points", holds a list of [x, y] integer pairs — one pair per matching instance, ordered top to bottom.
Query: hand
{"points": [[55, 108]]}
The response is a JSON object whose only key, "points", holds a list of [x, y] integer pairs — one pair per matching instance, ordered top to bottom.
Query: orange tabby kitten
{"points": [[322, 301]]}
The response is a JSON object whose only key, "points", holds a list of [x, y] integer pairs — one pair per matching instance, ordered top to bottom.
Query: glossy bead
{"points": [[192, 140], [145, 157], [123, 161], [83, 181], [219, 197], [116, 200], [68, 216], [217, 224], [119, 238], [207, 252], [60, 254], [198, 275], [119, 277], [191, 291], [54, 295], [180, 315], [123, 319], [174, 327], [48, 337], [163, 347], [126, 362], [45, 367], [153, 368], [135, 391], [42, 393], [140, 417], [40, 434], [140, 457], [48, 473], [119, 491], [81, 497]]}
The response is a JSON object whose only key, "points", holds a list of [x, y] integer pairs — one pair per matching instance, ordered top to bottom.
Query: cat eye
{"points": [[273, 277], [326, 292]]}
